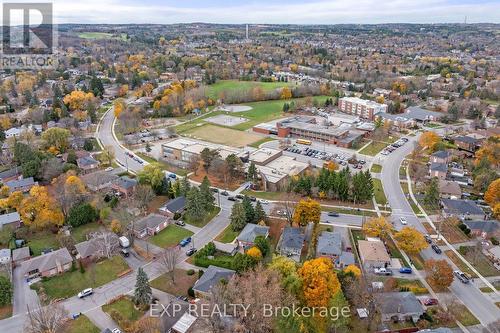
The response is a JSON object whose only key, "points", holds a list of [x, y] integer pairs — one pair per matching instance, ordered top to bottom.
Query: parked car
{"points": [[108, 169], [213, 189], [224, 193], [239, 196], [232, 198], [252, 198], [263, 202], [281, 212], [334, 214], [403, 221], [180, 222], [428, 239], [185, 241], [436, 249], [191, 251], [125, 252], [405, 270], [382, 271], [461, 276], [85, 293], [430, 301], [116, 330]]}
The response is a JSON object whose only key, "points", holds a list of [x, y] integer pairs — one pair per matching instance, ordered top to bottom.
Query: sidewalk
{"points": [[101, 319]]}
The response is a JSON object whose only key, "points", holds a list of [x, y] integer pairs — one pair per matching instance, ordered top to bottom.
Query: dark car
{"points": [[215, 190], [224, 193], [239, 196], [232, 199], [253, 199], [334, 214], [428, 239], [185, 241], [436, 249], [191, 251], [405, 270], [430, 301]]}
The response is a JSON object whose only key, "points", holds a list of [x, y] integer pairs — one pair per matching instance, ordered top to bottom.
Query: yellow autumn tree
{"points": [[294, 68], [286, 93], [78, 100], [118, 107], [56, 137], [429, 140], [490, 150], [4, 191], [492, 194], [14, 200], [39, 210], [306, 211], [116, 226], [377, 227], [410, 240], [255, 252], [353, 269], [319, 282]]}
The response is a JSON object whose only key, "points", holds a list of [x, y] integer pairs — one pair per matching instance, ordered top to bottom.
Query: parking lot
{"points": [[389, 149]]}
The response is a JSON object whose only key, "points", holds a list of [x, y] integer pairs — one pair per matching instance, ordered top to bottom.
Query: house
{"points": [[421, 115], [12, 133], [467, 143], [441, 156], [87, 164], [438, 170], [10, 174], [99, 180], [23, 185], [124, 185], [449, 189], [174, 206], [463, 209], [12, 219], [149, 225], [484, 229], [247, 236], [291, 242], [329, 245], [87, 250], [373, 253], [19, 255], [5, 256], [49, 264], [210, 278], [399, 306], [184, 324]]}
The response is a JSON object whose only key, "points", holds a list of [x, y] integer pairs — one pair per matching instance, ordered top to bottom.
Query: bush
{"points": [[82, 214], [462, 226], [467, 231], [494, 241], [463, 250], [190, 272], [5, 291], [191, 292]]}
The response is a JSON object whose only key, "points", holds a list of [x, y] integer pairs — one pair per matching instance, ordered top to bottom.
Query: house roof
{"points": [[418, 113], [466, 139], [442, 154], [86, 161], [441, 167], [10, 173], [99, 178], [125, 182], [17, 183], [448, 187], [175, 205], [461, 207], [9, 218], [151, 221], [484, 226], [251, 231], [292, 238], [330, 243], [87, 248], [373, 251], [21, 253], [346, 258], [48, 261], [211, 277], [399, 302], [184, 323]]}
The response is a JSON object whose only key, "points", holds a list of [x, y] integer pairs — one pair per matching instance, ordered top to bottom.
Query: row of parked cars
{"points": [[394, 146], [322, 155], [135, 158]]}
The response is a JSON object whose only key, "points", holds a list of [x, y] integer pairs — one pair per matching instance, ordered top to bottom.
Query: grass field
{"points": [[101, 35], [214, 90], [223, 135], [257, 144], [374, 148], [376, 168], [380, 197], [205, 220], [227, 235], [170, 236], [42, 240], [182, 282], [70, 283], [125, 307], [81, 325]]}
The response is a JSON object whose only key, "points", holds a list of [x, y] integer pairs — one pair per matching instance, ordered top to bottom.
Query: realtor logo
{"points": [[28, 36]]}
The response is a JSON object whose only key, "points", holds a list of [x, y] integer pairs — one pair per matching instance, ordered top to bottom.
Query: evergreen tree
{"points": [[252, 173], [184, 186], [206, 194], [431, 196], [195, 207], [249, 211], [259, 213], [238, 218], [142, 292]]}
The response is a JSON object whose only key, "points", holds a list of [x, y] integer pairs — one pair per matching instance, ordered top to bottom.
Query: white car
{"points": [[109, 169], [263, 202], [403, 221], [85, 293], [116, 330]]}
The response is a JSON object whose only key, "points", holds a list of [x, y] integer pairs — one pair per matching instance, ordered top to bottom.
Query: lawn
{"points": [[101, 35], [214, 90], [222, 135], [257, 144], [374, 148], [163, 165], [376, 168], [379, 192], [263, 195], [349, 211], [207, 218], [79, 233], [227, 235], [170, 236], [42, 240], [396, 253], [480, 262], [72, 282], [182, 282], [125, 307], [463, 315], [81, 325]]}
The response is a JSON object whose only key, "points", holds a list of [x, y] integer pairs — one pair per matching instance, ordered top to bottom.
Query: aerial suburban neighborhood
{"points": [[287, 177]]}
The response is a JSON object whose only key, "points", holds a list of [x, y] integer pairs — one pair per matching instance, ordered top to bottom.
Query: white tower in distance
{"points": [[246, 35]]}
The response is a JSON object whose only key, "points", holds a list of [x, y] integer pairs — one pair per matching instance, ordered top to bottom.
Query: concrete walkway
{"points": [[101, 319]]}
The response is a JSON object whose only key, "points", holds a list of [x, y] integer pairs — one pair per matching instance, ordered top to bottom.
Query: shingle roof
{"points": [[418, 113], [466, 139], [441, 154], [86, 161], [442, 167], [10, 173], [125, 182], [18, 183], [448, 187], [175, 205], [461, 207], [9, 218], [151, 221], [485, 226], [251, 231], [292, 238], [330, 243], [87, 248], [373, 250], [21, 253], [48, 261], [211, 277], [399, 302]]}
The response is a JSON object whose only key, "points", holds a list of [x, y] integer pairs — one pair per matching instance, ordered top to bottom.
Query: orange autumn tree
{"points": [[286, 93], [78, 100], [429, 140], [490, 150], [492, 196], [39, 210], [307, 211], [377, 227], [410, 240], [254, 252], [439, 273], [319, 282]]}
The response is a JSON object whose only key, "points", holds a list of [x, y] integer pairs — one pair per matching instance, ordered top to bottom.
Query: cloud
{"points": [[272, 11]]}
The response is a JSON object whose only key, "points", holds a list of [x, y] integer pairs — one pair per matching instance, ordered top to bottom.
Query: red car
{"points": [[430, 301]]}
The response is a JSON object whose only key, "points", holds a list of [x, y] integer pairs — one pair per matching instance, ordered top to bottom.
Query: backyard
{"points": [[207, 218], [227, 235], [170, 236], [72, 282], [183, 282], [125, 307], [81, 324]]}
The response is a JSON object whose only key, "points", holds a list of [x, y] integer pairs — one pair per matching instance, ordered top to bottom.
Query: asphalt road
{"points": [[481, 306]]}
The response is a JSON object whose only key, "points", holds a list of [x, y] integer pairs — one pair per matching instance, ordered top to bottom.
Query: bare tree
{"points": [[194, 164], [143, 195], [106, 243], [168, 260], [46, 319]]}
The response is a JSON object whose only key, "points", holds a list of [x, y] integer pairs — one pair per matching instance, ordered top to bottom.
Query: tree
{"points": [[286, 93], [78, 100], [118, 107], [56, 137], [429, 140], [88, 144], [490, 149], [107, 155], [207, 156], [252, 173], [153, 175], [206, 194], [492, 194], [143, 195], [431, 196], [195, 205], [39, 210], [249, 210], [307, 211], [259, 213], [82, 214], [238, 217], [115, 226], [377, 227], [410, 240], [107, 243], [262, 244], [255, 253], [168, 260], [243, 262], [353, 269], [439, 273], [319, 282], [5, 291], [142, 291], [49, 318]]}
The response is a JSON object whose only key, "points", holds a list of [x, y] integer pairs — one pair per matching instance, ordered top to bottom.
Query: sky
{"points": [[275, 11]]}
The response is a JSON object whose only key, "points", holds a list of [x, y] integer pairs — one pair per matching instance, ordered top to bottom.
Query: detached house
{"points": [[467, 143], [441, 156], [87, 164], [438, 170], [10, 174], [23, 185], [124, 185], [449, 189], [174, 206], [463, 209], [12, 219], [149, 225], [484, 229], [247, 236], [291, 242], [330, 246], [373, 253], [49, 264], [210, 278], [399, 306]]}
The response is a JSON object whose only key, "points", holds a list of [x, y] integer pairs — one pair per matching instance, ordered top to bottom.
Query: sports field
{"points": [[101, 35], [214, 90], [222, 135]]}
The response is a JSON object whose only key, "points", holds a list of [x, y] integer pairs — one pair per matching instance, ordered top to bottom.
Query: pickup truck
{"points": [[382, 271]]}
